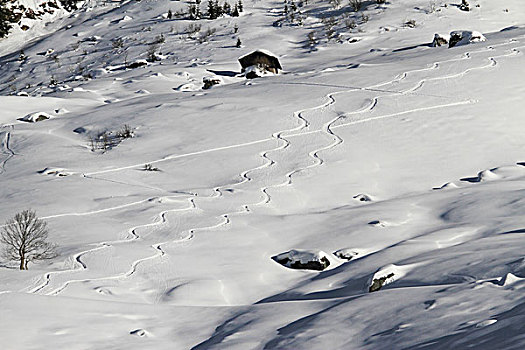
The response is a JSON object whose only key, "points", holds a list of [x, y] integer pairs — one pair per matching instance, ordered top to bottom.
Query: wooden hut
{"points": [[257, 61]]}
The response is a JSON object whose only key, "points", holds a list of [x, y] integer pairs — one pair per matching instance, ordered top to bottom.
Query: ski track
{"points": [[493, 63], [373, 88], [281, 137], [6, 149], [102, 245]]}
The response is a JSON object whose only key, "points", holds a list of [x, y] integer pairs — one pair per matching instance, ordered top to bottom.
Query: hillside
{"points": [[391, 169]]}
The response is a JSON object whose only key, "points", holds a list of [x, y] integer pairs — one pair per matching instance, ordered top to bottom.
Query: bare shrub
{"points": [[350, 24], [117, 43], [151, 54], [126, 132], [106, 140], [149, 167]]}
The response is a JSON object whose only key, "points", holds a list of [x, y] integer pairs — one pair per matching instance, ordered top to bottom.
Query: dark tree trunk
{"points": [[23, 264]]}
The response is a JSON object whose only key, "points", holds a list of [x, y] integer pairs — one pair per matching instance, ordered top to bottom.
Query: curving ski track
{"points": [[6, 150], [79, 265]]}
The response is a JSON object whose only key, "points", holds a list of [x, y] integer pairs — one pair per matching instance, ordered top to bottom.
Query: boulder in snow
{"points": [[465, 6], [464, 37], [440, 40], [137, 64], [210, 81], [35, 117], [362, 198], [346, 254], [303, 260], [387, 275], [379, 282]]}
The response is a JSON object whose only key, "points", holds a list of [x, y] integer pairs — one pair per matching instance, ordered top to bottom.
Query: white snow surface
{"points": [[405, 158]]}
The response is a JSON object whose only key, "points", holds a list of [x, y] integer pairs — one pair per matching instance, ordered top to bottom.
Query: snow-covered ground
{"points": [[400, 164]]}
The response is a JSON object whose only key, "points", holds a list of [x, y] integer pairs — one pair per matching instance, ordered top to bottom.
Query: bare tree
{"points": [[25, 239]]}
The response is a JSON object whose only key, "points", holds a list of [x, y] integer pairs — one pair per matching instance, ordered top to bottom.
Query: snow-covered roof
{"points": [[263, 51]]}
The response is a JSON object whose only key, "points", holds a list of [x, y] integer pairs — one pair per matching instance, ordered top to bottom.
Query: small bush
{"points": [[350, 24], [192, 29], [159, 39], [117, 43], [152, 52], [126, 132], [149, 167]]}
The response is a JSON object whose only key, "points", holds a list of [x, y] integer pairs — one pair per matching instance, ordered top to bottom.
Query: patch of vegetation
{"points": [[70, 5], [7, 17], [106, 140], [149, 167]]}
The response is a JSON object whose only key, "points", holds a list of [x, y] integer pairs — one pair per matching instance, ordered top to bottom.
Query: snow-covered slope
{"points": [[399, 163]]}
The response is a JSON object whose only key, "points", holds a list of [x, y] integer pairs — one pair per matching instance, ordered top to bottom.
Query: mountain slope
{"points": [[401, 162]]}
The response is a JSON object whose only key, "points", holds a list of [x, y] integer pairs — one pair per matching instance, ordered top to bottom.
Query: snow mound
{"points": [[125, 19], [187, 87], [61, 111], [36, 117], [487, 175], [448, 185], [303, 260], [510, 279], [485, 323]]}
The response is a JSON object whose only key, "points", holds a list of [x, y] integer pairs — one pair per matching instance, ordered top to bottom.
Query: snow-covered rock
{"points": [[464, 37], [440, 39], [211, 81], [36, 117], [303, 259]]}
